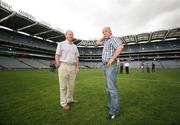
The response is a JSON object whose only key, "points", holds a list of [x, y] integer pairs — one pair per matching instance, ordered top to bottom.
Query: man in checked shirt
{"points": [[111, 50]]}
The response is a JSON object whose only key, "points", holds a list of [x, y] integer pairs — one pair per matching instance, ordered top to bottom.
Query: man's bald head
{"points": [[107, 32]]}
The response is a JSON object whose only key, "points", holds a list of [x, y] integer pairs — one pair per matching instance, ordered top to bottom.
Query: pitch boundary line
{"points": [[149, 80]]}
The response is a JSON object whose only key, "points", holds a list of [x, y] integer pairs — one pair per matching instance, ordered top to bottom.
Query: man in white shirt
{"points": [[67, 62], [127, 67]]}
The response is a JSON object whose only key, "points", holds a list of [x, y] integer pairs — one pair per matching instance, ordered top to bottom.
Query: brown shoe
{"points": [[76, 101], [73, 102], [66, 107]]}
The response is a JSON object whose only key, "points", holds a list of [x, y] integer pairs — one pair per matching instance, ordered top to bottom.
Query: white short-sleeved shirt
{"points": [[68, 52], [126, 64]]}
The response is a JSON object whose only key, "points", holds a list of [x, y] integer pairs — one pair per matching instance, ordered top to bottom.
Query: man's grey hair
{"points": [[68, 31]]}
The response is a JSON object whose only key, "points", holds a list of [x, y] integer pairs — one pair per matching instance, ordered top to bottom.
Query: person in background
{"points": [[118, 64], [126, 65], [52, 67], [142, 67], [153, 67], [121, 68], [148, 69]]}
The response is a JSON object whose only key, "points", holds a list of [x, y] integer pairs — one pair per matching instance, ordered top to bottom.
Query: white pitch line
{"points": [[150, 80]]}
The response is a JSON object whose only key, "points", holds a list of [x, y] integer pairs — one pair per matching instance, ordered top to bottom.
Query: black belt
{"points": [[105, 63]]}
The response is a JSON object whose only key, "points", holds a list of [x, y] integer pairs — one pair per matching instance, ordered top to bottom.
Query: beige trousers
{"points": [[67, 75]]}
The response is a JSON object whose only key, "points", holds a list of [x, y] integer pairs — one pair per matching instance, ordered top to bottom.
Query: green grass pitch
{"points": [[32, 98]]}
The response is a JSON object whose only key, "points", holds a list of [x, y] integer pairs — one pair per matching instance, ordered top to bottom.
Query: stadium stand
{"points": [[28, 44], [12, 62], [23, 63], [34, 63]]}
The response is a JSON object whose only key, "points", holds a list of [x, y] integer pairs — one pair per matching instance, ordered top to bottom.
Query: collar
{"points": [[109, 37], [69, 42]]}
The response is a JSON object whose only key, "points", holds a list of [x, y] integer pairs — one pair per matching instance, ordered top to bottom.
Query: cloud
{"points": [[169, 19]]}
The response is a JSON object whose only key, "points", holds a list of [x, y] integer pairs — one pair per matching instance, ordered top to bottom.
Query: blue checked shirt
{"points": [[110, 46]]}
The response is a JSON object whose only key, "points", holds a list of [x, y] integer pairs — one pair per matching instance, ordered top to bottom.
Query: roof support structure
{"points": [[9, 16], [28, 26], [43, 32], [165, 35], [55, 37]]}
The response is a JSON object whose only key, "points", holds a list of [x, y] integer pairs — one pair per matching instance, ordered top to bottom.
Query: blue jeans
{"points": [[110, 73]]}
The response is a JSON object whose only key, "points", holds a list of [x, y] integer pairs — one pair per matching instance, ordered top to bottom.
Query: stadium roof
{"points": [[25, 23], [152, 36], [141, 38]]}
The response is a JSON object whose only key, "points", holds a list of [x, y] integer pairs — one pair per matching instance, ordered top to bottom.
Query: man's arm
{"points": [[100, 41], [116, 54], [57, 60], [77, 62], [77, 65]]}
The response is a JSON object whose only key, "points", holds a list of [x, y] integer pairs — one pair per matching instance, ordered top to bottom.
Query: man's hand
{"points": [[100, 41], [117, 52], [110, 62], [58, 64], [77, 70]]}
